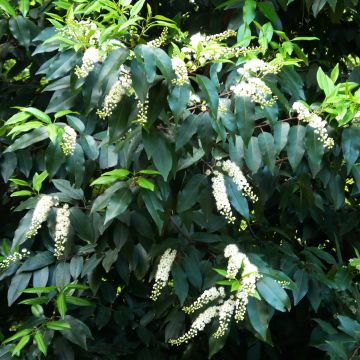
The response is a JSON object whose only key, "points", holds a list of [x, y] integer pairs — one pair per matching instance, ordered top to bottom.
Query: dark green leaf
{"points": [[20, 29], [210, 92], [178, 99], [245, 117], [281, 131], [28, 139], [295, 145], [351, 146], [157, 148], [267, 149], [314, 150], [253, 155], [8, 165], [67, 189], [190, 194], [237, 199], [118, 204], [154, 206], [37, 261], [18, 282], [181, 285], [302, 285], [273, 294], [259, 316]]}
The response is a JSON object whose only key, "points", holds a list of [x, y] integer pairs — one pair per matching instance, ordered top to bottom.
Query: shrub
{"points": [[161, 186]]}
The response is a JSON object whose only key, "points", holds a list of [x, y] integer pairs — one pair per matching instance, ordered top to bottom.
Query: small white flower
{"points": [[221, 36], [196, 39], [160, 40], [90, 58], [260, 67], [180, 70], [256, 90], [117, 91], [143, 108], [302, 110], [316, 122], [68, 142], [239, 179], [221, 198], [40, 214], [62, 228], [14, 258], [163, 272], [206, 297], [226, 311], [198, 325]]}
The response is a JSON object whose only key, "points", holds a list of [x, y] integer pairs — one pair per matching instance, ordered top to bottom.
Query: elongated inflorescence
{"points": [[158, 42], [90, 58], [180, 70], [256, 90], [117, 91], [316, 122], [68, 142], [239, 179], [219, 188], [221, 197], [40, 214], [62, 228], [14, 258], [163, 272], [206, 297], [223, 309], [198, 325]]}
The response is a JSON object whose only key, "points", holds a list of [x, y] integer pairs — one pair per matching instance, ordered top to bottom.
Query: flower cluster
{"points": [[84, 31], [222, 36], [156, 43], [204, 49], [90, 58], [259, 67], [180, 70], [256, 90], [117, 91], [194, 99], [224, 105], [143, 108], [316, 122], [68, 142], [239, 179], [219, 188], [221, 198], [41, 213], [62, 228], [14, 258], [235, 261], [163, 272], [250, 275], [283, 283], [207, 296], [224, 310], [198, 325]]}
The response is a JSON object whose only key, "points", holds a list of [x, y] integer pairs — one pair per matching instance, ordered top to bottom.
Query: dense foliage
{"points": [[178, 170]]}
